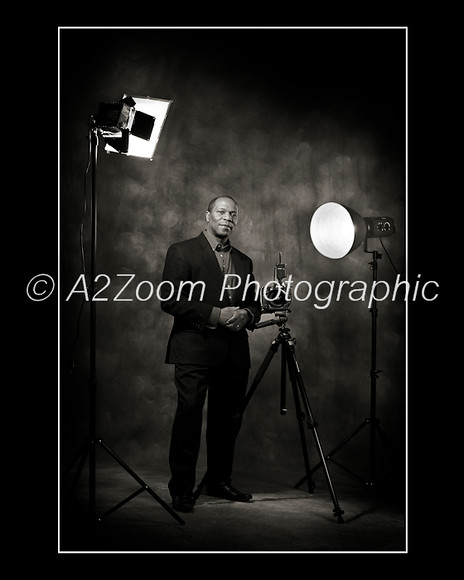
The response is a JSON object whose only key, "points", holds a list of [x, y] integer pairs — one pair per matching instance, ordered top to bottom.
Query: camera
{"points": [[276, 296]]}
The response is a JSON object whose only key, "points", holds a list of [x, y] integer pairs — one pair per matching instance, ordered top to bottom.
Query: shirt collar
{"points": [[215, 245]]}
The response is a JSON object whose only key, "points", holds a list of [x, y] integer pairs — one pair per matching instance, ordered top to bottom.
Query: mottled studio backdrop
{"points": [[284, 121]]}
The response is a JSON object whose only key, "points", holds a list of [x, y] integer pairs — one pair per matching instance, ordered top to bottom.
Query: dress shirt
{"points": [[226, 263]]}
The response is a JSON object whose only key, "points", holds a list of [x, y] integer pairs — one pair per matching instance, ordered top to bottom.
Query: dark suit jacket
{"points": [[191, 341]]}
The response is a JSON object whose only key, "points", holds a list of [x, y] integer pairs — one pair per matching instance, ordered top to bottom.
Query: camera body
{"points": [[276, 296]]}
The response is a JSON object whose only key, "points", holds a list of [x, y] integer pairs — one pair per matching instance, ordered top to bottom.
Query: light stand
{"points": [[337, 230], [372, 422], [89, 447]]}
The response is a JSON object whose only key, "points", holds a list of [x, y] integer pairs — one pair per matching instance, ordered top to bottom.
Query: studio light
{"points": [[133, 125], [336, 230]]}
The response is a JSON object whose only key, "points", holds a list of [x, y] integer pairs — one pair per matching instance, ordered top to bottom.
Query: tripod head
{"points": [[280, 320]]}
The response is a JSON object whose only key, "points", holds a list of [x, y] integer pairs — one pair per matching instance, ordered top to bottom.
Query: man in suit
{"points": [[209, 347]]}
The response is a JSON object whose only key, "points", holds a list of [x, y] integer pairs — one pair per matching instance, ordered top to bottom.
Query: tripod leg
{"points": [[259, 375], [296, 376], [283, 382], [304, 446]]}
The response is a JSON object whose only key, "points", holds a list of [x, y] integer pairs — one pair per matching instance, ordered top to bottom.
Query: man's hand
{"points": [[234, 318]]}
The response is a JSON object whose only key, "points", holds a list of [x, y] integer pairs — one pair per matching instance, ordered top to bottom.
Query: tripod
{"points": [[290, 363], [372, 421], [89, 447]]}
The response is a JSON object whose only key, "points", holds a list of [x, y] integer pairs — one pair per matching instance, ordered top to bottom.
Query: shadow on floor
{"points": [[280, 518]]}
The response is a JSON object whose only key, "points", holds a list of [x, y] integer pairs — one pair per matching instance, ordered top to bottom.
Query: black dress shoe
{"points": [[225, 491], [183, 502]]}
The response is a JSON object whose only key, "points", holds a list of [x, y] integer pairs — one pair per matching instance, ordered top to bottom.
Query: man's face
{"points": [[223, 217]]}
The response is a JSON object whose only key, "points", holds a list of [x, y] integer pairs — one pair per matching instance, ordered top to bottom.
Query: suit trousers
{"points": [[225, 387]]}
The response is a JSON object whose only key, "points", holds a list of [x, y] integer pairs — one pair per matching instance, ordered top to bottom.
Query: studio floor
{"points": [[281, 517]]}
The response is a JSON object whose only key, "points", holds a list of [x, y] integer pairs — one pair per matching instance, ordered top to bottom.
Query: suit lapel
{"points": [[210, 260], [239, 265]]}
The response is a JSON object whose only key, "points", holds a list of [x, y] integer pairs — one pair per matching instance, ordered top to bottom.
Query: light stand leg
{"points": [[139, 480]]}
